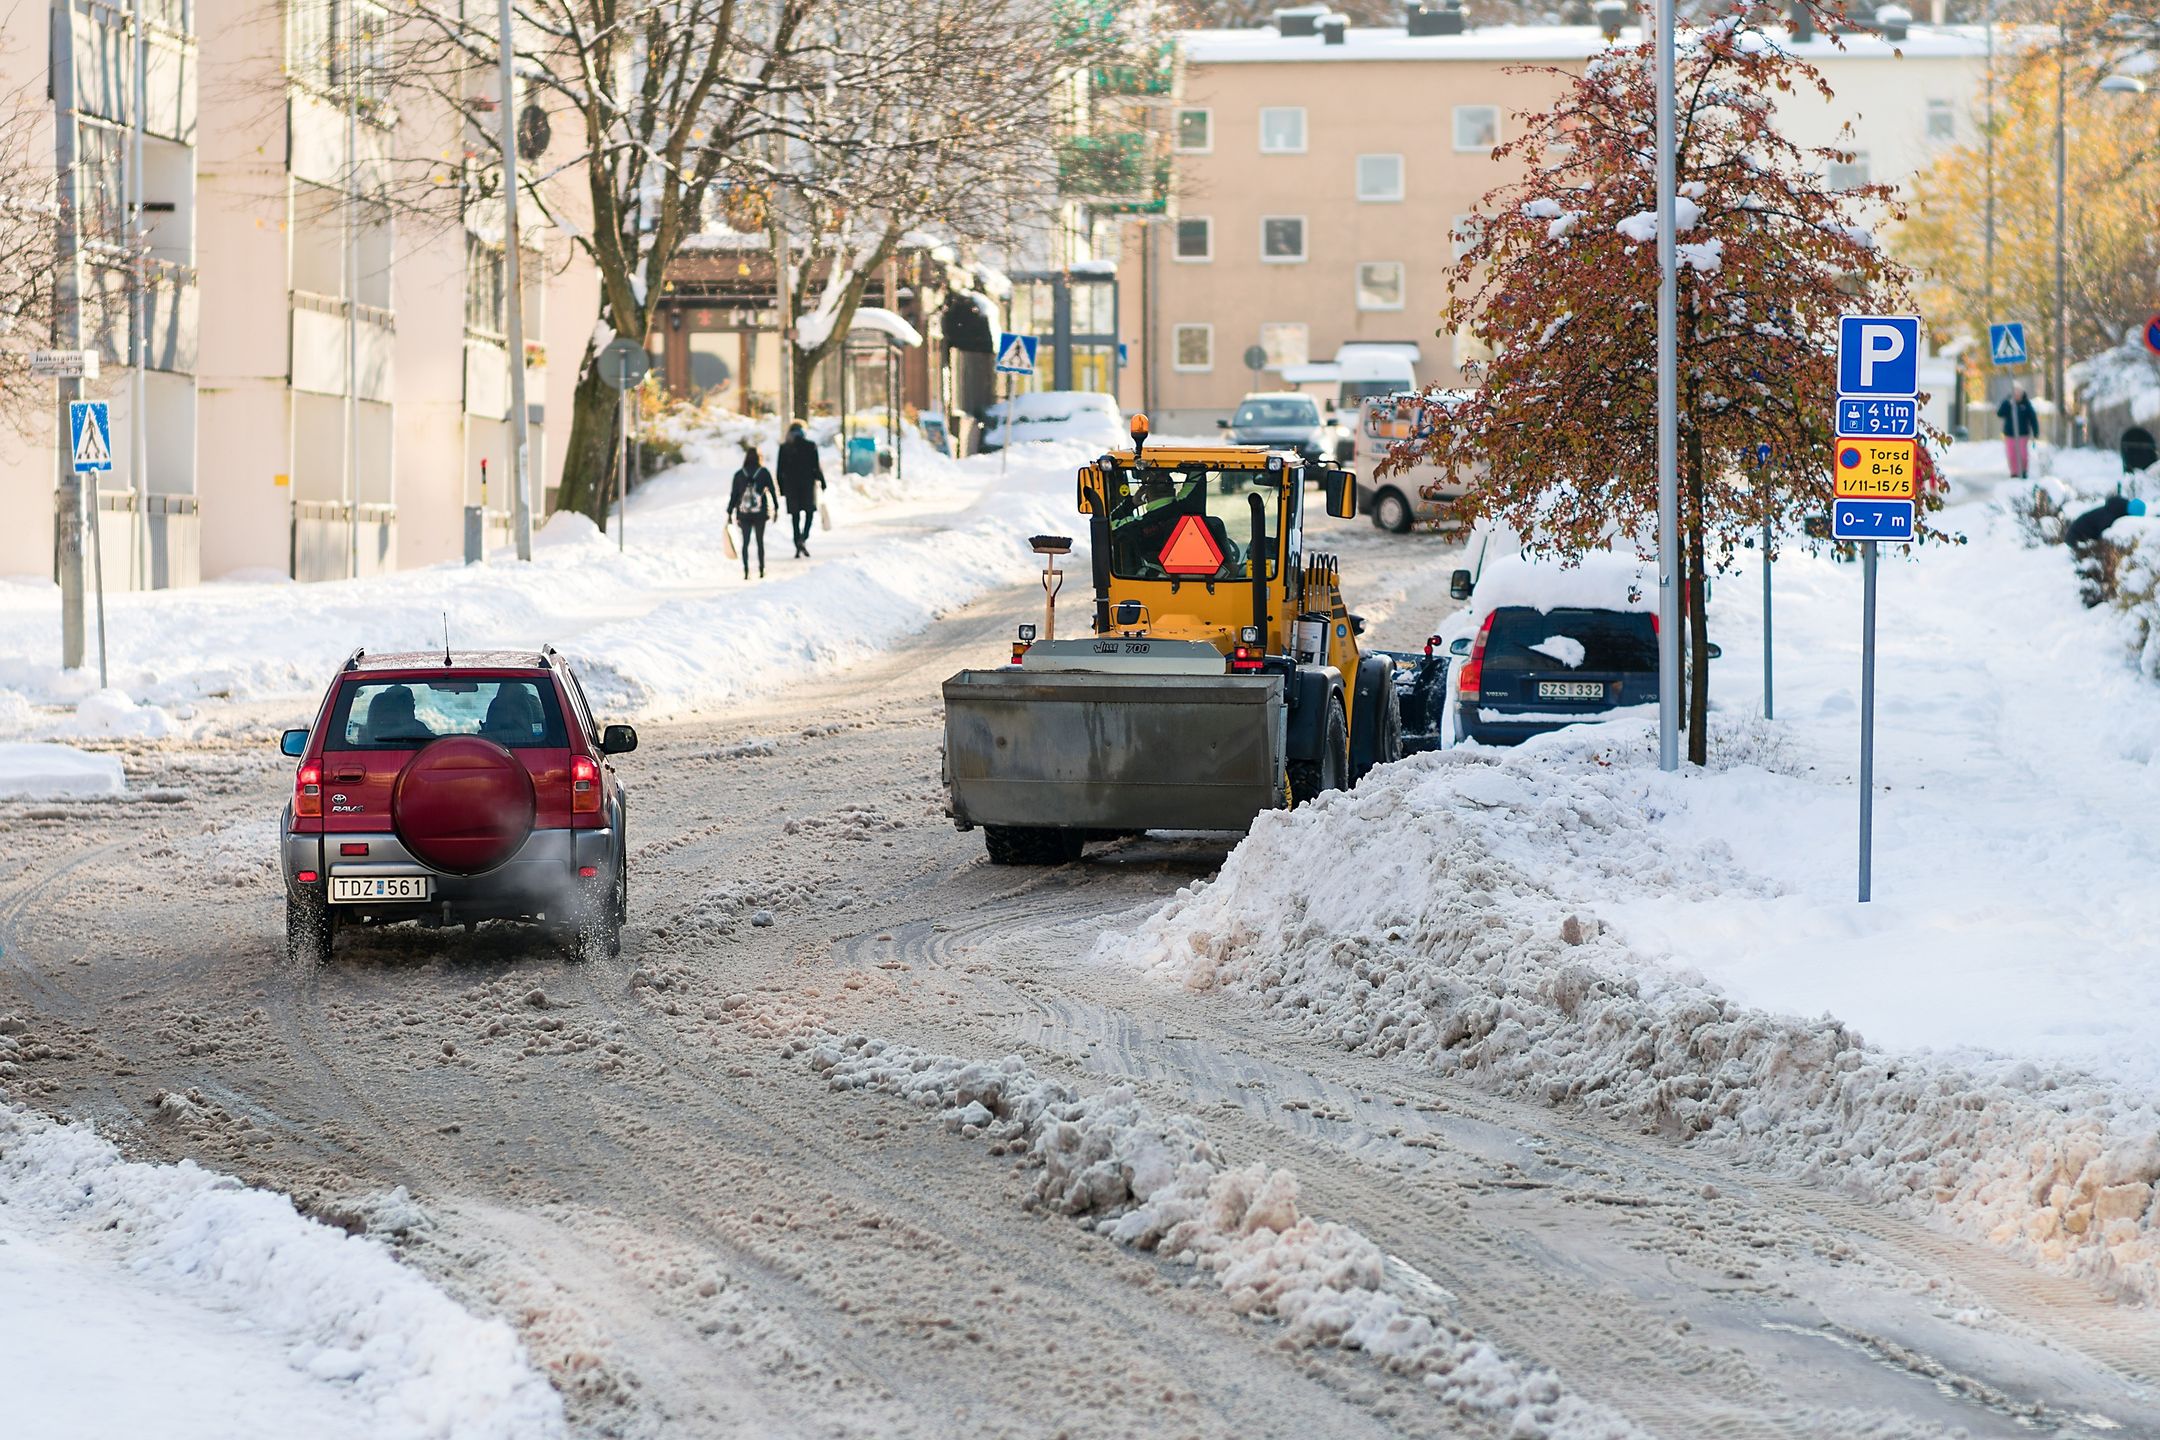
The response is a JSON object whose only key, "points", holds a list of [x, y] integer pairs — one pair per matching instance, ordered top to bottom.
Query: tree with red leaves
{"points": [[1560, 288]]}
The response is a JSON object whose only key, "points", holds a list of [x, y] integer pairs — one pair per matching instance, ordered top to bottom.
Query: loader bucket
{"points": [[1095, 751]]}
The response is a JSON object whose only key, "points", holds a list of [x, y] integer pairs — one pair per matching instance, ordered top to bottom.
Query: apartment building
{"points": [[134, 77], [1324, 177], [326, 378], [358, 400]]}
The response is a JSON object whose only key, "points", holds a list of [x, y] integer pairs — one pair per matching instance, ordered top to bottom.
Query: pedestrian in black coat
{"points": [[801, 477], [752, 501]]}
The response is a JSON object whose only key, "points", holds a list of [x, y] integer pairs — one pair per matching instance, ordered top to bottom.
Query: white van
{"points": [[1423, 494]]}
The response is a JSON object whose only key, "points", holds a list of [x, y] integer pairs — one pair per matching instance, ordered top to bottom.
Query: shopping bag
{"points": [[824, 518], [727, 537]]}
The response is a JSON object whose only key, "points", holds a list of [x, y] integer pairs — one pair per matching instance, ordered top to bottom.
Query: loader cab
{"points": [[1205, 542]]}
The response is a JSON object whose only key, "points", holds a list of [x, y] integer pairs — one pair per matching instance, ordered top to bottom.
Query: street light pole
{"points": [[1987, 268], [514, 301], [2062, 319], [1668, 400]]}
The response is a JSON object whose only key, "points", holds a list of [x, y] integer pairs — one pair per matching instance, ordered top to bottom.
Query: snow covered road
{"points": [[638, 1164]]}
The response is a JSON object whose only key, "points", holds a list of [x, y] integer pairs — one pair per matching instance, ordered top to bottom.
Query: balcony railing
{"points": [[1121, 171], [318, 345]]}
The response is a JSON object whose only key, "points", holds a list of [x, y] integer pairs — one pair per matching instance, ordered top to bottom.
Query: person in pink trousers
{"points": [[2020, 427]]}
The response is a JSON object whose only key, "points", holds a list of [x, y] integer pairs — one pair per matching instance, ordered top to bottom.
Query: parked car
{"points": [[1087, 416], [1289, 420], [1422, 495], [1543, 645], [448, 789]]}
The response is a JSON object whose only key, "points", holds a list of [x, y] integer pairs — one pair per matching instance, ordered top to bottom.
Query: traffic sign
{"points": [[2152, 334], [2006, 343], [1016, 354], [1879, 355], [1255, 358], [623, 362], [64, 364], [1890, 419], [91, 429], [1873, 469], [1890, 520], [1191, 549]]}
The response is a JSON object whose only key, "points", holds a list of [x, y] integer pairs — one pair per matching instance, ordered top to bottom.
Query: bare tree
{"points": [[648, 101], [940, 116], [29, 215]]}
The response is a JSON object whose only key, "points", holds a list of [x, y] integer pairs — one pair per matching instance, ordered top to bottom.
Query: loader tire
{"points": [[1388, 748], [1308, 778], [1032, 845]]}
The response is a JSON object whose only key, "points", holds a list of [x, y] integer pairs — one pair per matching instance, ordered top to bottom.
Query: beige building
{"points": [[1321, 180], [328, 378]]}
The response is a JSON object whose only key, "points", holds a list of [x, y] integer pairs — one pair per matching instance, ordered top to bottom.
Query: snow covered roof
{"points": [[1533, 42], [874, 317]]}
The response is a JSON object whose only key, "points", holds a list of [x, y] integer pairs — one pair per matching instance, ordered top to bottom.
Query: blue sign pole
{"points": [[90, 446], [1769, 703], [1867, 719]]}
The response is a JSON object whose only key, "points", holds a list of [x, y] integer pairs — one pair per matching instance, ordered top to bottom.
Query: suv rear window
{"points": [[1594, 640], [406, 714]]}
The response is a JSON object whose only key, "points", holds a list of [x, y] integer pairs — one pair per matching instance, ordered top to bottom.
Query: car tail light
{"points": [[1245, 659], [1473, 669], [584, 786], [307, 791], [352, 848], [588, 872], [306, 877]]}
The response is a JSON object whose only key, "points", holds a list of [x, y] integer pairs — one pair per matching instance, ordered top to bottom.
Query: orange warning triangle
{"points": [[1191, 550]]}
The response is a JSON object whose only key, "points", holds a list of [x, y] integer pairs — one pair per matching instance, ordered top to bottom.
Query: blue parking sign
{"points": [[1879, 355]]}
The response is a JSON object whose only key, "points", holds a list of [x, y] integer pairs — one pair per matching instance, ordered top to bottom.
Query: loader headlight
{"points": [[1027, 634], [1249, 635]]}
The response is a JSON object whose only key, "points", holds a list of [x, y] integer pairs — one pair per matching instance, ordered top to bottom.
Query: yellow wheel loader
{"points": [[1221, 676]]}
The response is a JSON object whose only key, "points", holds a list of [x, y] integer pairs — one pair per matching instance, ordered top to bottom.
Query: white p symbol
{"points": [[1879, 345]]}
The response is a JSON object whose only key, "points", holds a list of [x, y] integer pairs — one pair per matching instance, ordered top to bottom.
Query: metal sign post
{"points": [[1015, 356], [623, 363], [1668, 400], [90, 444], [1874, 471], [1769, 702]]}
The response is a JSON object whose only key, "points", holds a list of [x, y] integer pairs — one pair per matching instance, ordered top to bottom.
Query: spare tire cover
{"points": [[463, 804]]}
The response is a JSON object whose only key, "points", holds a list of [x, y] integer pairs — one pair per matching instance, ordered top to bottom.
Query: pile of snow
{"points": [[2127, 375], [667, 627], [57, 772], [1453, 917], [1565, 922], [1155, 1183], [167, 1300]]}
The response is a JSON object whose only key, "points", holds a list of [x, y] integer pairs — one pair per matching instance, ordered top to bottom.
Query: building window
{"points": [[1941, 120], [1477, 127], [1282, 130], [1195, 132], [1849, 174], [1379, 177], [1465, 232], [1196, 238], [1282, 239], [1380, 285], [484, 287], [1286, 343], [1195, 346], [1469, 350]]}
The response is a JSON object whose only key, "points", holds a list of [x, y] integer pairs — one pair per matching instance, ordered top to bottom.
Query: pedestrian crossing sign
{"points": [[2006, 343], [1016, 354], [90, 429]]}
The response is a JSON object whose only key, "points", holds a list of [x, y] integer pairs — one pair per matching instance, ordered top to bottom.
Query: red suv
{"points": [[449, 789]]}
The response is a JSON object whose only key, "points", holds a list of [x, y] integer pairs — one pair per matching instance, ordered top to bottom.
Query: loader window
{"points": [[1146, 505]]}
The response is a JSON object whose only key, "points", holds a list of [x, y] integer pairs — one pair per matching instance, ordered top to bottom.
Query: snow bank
{"points": [[668, 626], [53, 772], [1447, 913], [1155, 1183], [161, 1256]]}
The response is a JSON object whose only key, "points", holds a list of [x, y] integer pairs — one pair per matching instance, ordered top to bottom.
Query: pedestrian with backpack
{"points": [[752, 501]]}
